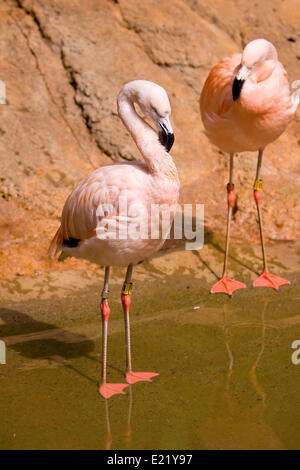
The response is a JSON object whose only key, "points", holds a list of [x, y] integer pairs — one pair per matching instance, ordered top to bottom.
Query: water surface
{"points": [[226, 376]]}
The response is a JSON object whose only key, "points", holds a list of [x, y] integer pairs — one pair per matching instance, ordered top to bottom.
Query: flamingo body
{"points": [[131, 182]]}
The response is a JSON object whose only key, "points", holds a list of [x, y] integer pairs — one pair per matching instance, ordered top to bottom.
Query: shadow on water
{"points": [[208, 238], [234, 258], [205, 263], [36, 339]]}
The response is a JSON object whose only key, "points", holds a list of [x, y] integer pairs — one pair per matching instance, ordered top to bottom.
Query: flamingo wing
{"points": [[216, 97], [81, 211]]}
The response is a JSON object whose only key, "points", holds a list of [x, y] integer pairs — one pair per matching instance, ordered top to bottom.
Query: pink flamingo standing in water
{"points": [[245, 104], [141, 184]]}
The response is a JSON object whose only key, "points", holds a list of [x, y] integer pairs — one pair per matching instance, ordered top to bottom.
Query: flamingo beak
{"points": [[239, 82], [166, 135]]}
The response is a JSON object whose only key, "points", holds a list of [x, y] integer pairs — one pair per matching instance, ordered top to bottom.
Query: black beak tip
{"points": [[236, 88], [166, 139], [171, 139]]}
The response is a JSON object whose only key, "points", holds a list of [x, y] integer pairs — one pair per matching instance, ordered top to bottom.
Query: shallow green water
{"points": [[226, 377]]}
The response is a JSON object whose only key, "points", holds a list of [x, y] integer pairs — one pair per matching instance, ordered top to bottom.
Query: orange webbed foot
{"points": [[267, 279], [227, 286]]}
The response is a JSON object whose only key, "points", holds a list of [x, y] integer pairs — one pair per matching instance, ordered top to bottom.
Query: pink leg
{"points": [[266, 279], [226, 285], [131, 377], [107, 390]]}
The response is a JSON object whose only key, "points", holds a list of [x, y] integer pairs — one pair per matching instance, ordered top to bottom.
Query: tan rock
{"points": [[63, 63]]}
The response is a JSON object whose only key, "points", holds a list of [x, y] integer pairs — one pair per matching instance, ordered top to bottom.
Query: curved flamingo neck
{"points": [[159, 162]]}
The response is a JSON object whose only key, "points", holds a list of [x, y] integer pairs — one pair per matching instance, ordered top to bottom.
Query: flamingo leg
{"points": [[266, 279], [227, 285], [131, 377], [107, 390]]}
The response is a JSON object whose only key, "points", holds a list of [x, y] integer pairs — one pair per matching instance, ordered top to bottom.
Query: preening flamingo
{"points": [[245, 104], [140, 185]]}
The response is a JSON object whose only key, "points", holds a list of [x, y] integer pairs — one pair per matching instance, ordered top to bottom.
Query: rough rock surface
{"points": [[63, 62]]}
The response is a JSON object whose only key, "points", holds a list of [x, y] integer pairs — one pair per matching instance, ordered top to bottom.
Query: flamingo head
{"points": [[259, 58], [154, 103]]}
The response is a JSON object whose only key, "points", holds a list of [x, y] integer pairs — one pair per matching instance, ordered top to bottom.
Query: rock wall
{"points": [[63, 63]]}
